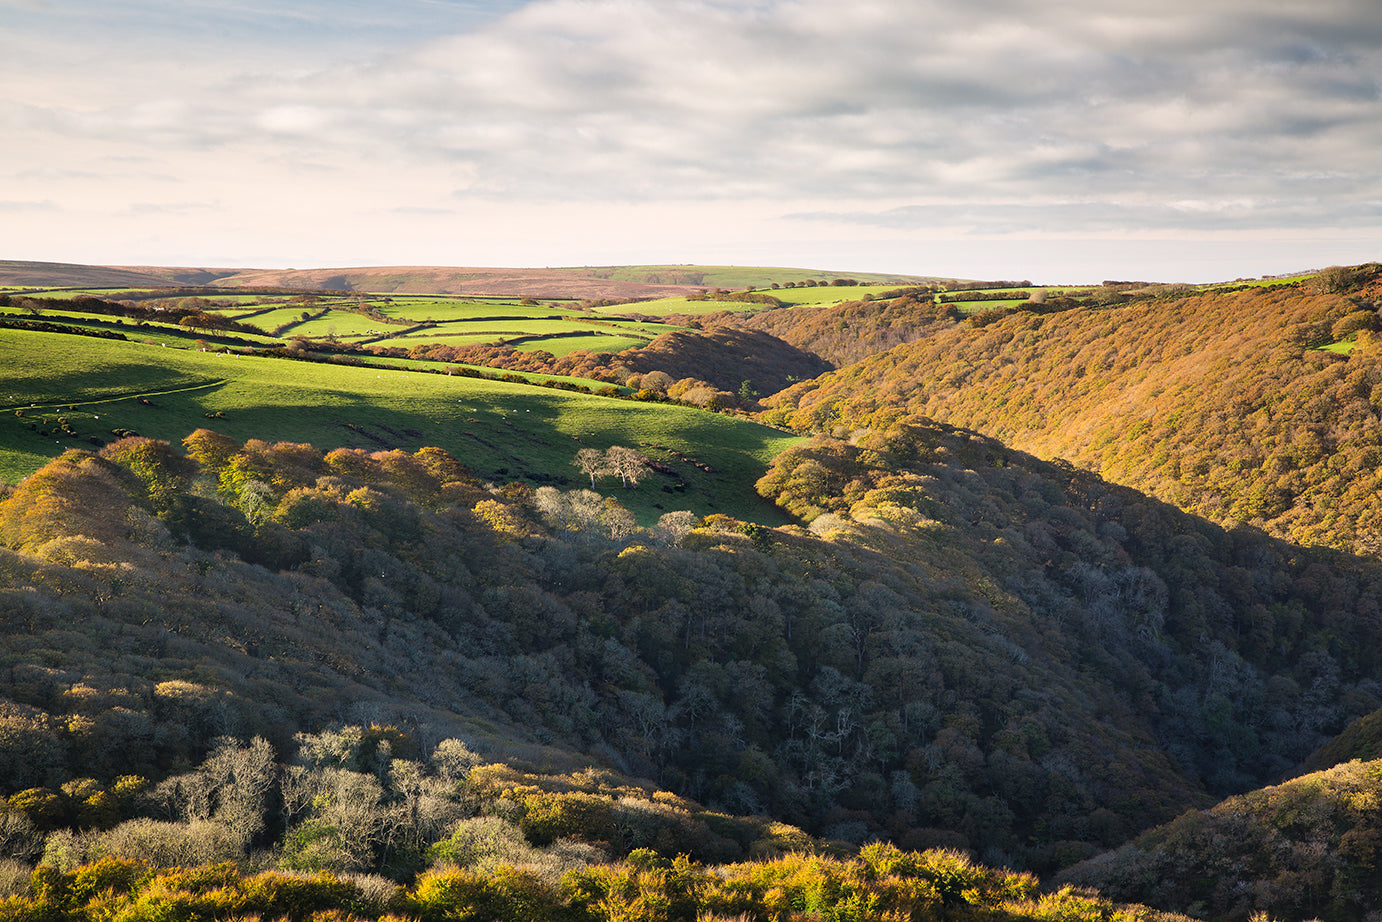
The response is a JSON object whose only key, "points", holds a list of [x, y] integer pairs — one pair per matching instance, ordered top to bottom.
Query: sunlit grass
{"points": [[503, 431]]}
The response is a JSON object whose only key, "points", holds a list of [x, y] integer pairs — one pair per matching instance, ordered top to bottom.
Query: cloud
{"points": [[702, 100], [883, 114], [18, 207], [158, 209], [988, 220]]}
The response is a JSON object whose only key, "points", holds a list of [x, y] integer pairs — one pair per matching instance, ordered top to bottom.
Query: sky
{"points": [[1052, 140]]}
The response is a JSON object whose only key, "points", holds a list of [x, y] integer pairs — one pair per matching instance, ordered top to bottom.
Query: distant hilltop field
{"points": [[590, 282]]}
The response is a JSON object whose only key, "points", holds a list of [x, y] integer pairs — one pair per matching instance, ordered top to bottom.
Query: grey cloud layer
{"points": [[1173, 113]]}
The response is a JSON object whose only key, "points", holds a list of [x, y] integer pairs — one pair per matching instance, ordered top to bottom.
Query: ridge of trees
{"points": [[193, 312], [845, 333], [715, 360]]}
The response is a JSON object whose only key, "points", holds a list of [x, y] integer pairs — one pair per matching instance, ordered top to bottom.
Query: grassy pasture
{"points": [[1264, 283], [830, 294], [820, 295], [661, 307], [978, 307], [247, 310], [453, 310], [281, 315], [72, 318], [337, 323], [506, 328], [648, 329], [164, 334], [436, 337], [568, 341], [565, 345], [532, 377], [502, 431]]}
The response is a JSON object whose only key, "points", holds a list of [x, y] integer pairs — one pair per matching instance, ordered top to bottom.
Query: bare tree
{"points": [[591, 461], [630, 465], [574, 510], [618, 522], [673, 526]]}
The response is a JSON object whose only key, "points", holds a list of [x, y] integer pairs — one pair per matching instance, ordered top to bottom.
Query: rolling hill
{"points": [[616, 282], [1221, 402], [502, 430], [357, 623]]}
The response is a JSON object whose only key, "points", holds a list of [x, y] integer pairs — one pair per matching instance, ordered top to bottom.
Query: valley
{"points": [[929, 598]]}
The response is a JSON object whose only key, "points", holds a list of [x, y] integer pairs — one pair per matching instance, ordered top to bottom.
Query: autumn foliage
{"points": [[1219, 403]]}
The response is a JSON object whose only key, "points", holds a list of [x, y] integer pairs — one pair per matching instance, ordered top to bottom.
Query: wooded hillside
{"points": [[1221, 403], [996, 630]]}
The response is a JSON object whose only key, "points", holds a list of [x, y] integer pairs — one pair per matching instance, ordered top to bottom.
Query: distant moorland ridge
{"points": [[589, 282]]}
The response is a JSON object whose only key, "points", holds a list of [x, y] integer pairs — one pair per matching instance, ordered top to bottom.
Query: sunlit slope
{"points": [[1221, 403], [502, 431], [1300, 850]]}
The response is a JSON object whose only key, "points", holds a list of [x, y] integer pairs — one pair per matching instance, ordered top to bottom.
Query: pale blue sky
{"points": [[338, 24], [1059, 141]]}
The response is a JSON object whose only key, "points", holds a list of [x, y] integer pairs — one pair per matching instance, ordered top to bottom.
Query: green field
{"points": [[1263, 283], [831, 294], [817, 296], [662, 307], [978, 307], [456, 309], [334, 323], [504, 328], [651, 328], [165, 334], [565, 345], [425, 365], [502, 431]]}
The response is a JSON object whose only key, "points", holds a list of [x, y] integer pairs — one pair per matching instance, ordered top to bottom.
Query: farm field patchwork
{"points": [[529, 327]]}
